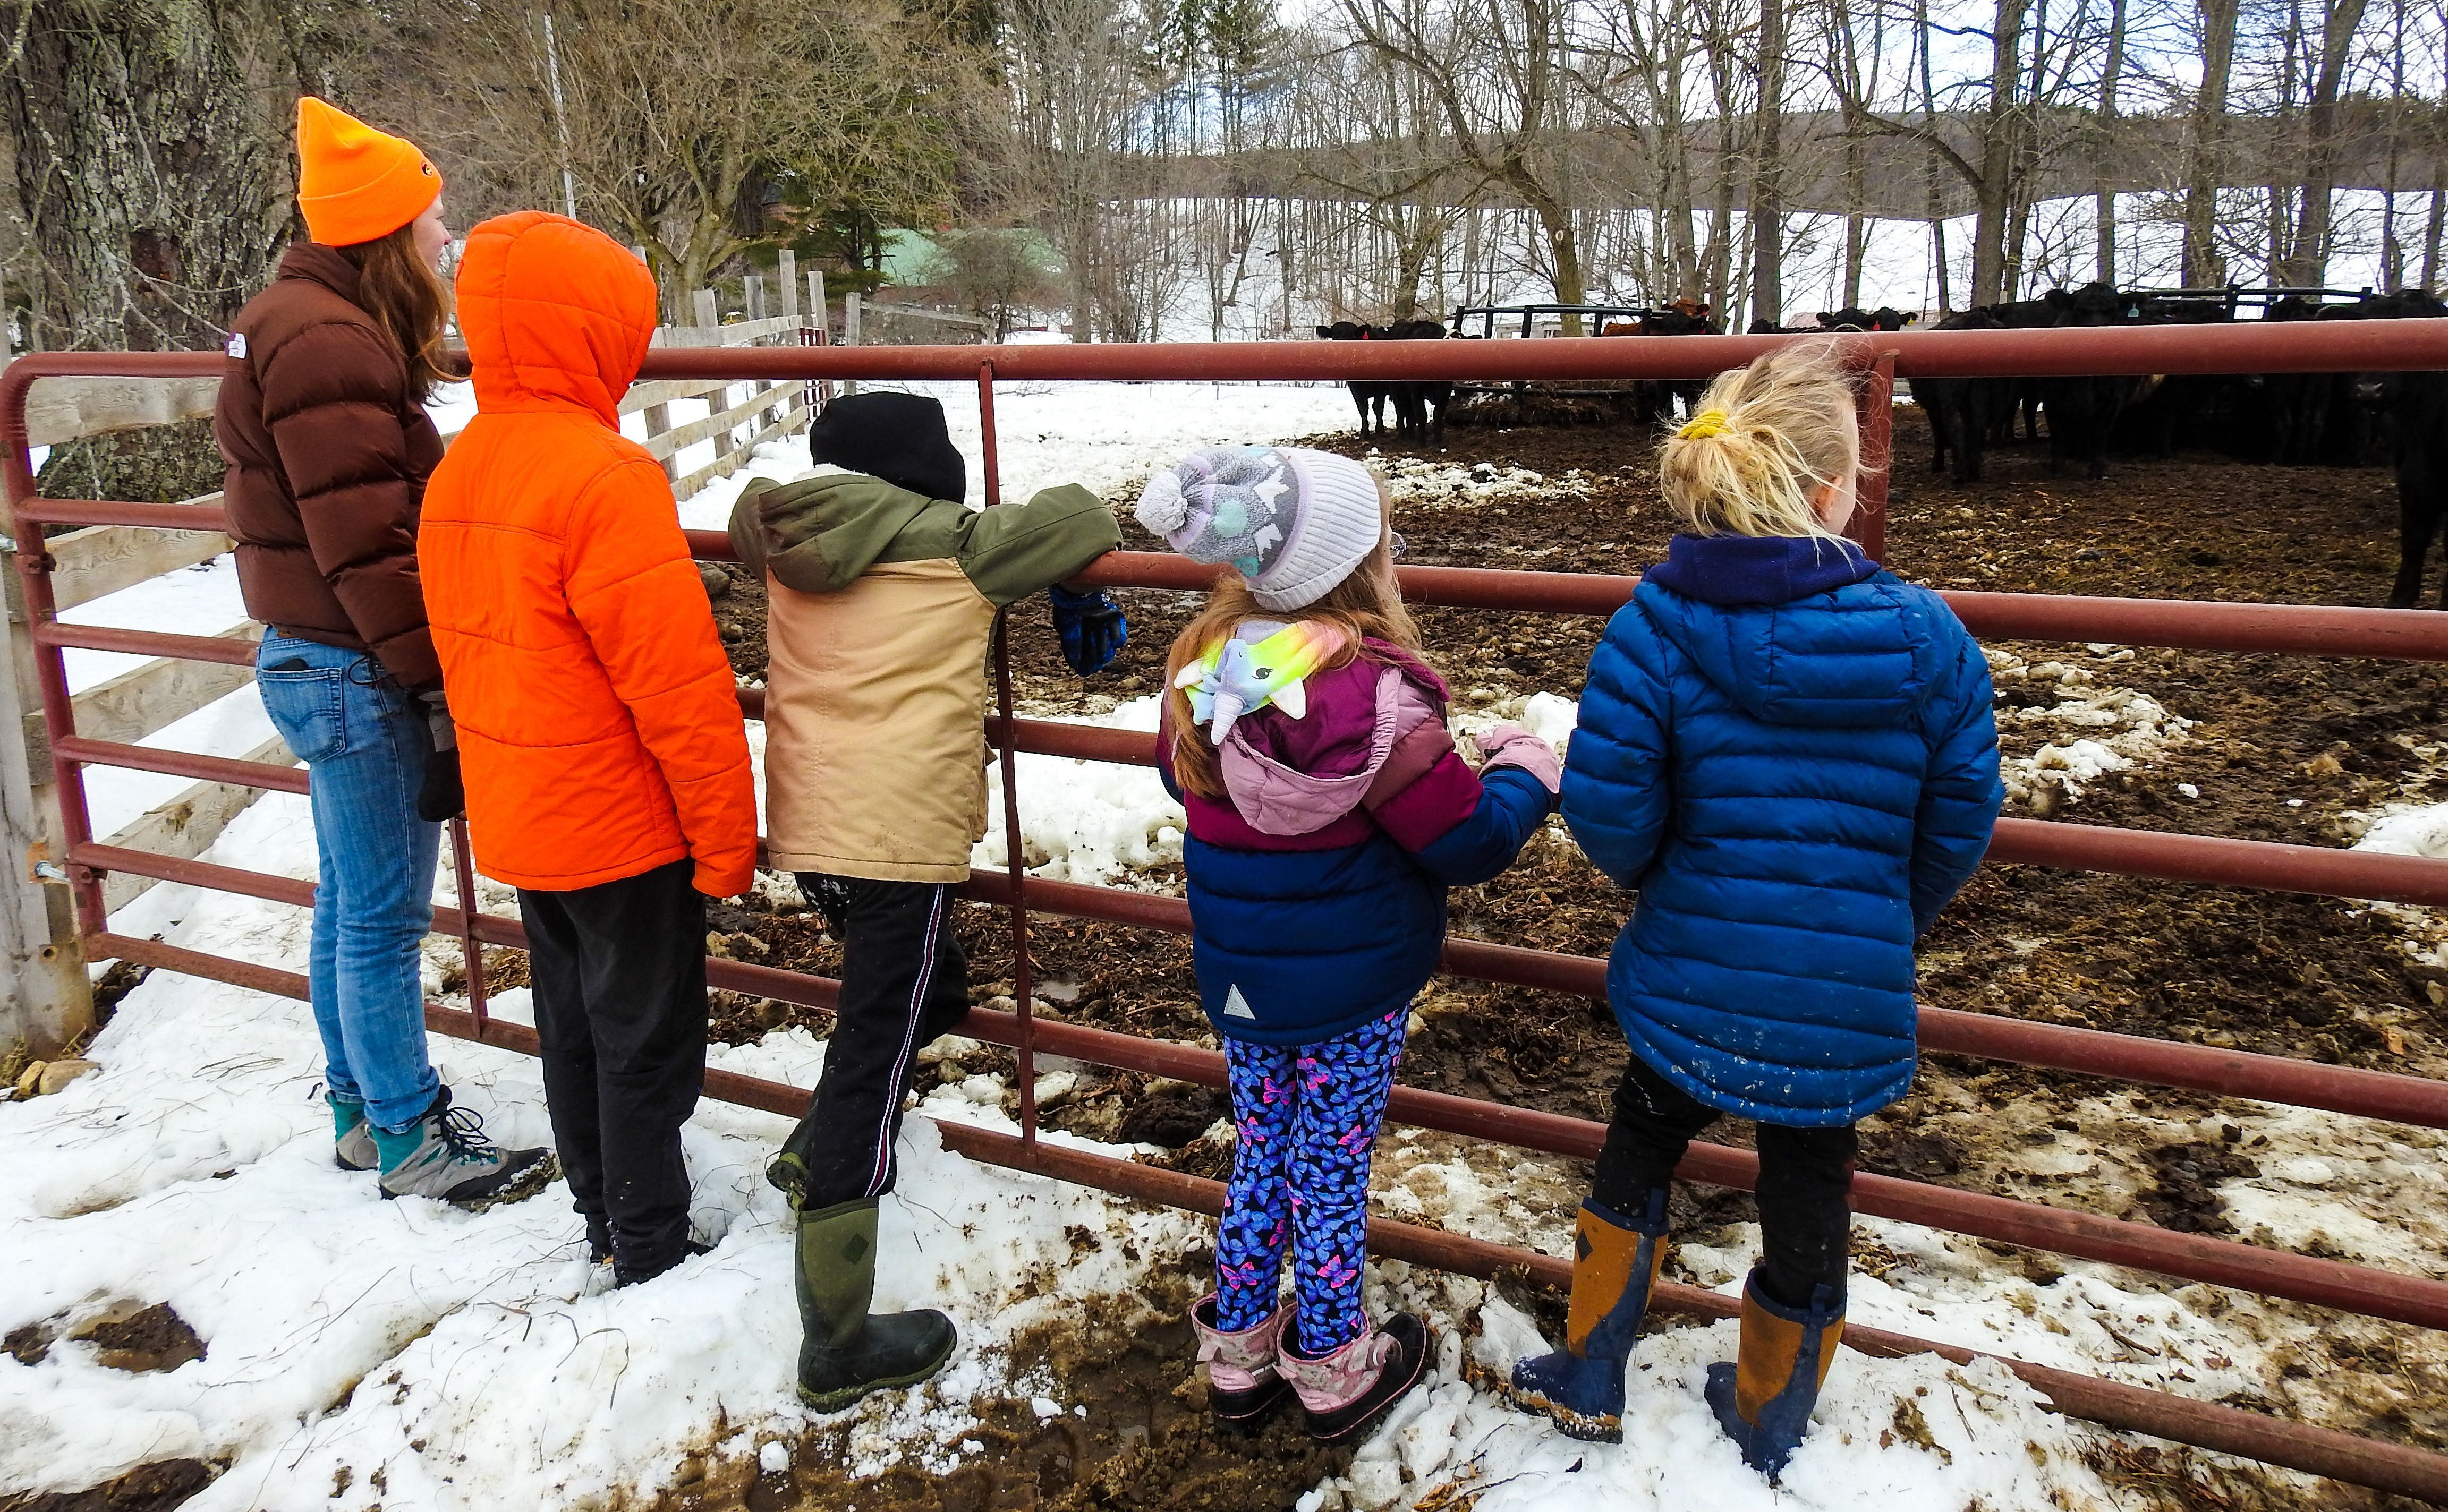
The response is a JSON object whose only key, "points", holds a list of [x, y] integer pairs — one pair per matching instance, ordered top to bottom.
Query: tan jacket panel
{"points": [[875, 701]]}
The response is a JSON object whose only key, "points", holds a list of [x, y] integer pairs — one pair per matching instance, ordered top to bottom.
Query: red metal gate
{"points": [[2411, 634]]}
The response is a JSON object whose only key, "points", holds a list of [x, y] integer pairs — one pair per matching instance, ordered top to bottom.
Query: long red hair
{"points": [[409, 302], [1366, 606]]}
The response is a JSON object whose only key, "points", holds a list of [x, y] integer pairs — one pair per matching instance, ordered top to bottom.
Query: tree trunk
{"points": [[2000, 148], [153, 165], [1768, 169], [2104, 196], [2430, 241], [2281, 253], [2310, 261], [2203, 267], [1940, 274]]}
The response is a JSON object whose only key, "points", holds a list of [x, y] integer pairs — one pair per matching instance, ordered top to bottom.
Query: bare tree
{"points": [[1499, 70], [674, 117], [2205, 142], [2307, 260]]}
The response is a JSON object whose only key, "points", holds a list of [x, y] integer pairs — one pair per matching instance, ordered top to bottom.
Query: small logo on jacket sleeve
{"points": [[236, 346], [1236, 1006]]}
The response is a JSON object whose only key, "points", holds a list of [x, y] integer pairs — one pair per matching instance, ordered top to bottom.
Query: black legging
{"points": [[1806, 1223]]}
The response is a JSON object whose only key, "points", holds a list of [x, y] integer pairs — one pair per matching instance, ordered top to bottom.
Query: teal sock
{"points": [[347, 1113], [397, 1148]]}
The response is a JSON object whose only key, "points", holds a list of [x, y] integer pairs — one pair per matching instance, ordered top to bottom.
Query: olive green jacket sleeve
{"points": [[818, 535], [1015, 550]]}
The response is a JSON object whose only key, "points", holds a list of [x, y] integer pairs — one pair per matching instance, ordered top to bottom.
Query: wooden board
{"points": [[662, 392], [63, 410], [670, 442], [725, 465], [101, 559], [160, 692], [186, 825]]}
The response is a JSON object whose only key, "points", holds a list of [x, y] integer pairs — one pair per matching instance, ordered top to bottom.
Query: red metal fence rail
{"points": [[2378, 344]]}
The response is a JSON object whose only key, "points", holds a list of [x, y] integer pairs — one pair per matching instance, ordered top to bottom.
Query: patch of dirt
{"points": [[111, 987], [2186, 1197], [152, 1338], [1134, 1435], [155, 1488]]}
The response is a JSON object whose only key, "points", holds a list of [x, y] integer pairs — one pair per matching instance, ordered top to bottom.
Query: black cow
{"points": [[1852, 317], [2013, 396], [1368, 398], [1654, 399], [1412, 403], [1420, 406], [2414, 407], [2182, 408], [1960, 409], [2083, 411], [2309, 418]]}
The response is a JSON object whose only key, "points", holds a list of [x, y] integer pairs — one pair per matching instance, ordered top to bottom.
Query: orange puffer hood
{"points": [[556, 315], [599, 724]]}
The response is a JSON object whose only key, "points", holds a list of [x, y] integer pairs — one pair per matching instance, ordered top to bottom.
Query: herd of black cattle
{"points": [[2399, 418]]}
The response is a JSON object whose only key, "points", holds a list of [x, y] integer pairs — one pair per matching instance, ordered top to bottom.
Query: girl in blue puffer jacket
{"points": [[1792, 755]]}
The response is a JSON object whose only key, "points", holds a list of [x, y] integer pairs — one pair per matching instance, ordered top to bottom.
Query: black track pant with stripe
{"points": [[904, 983]]}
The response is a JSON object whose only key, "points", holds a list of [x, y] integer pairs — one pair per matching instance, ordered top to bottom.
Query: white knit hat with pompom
{"points": [[1293, 521]]}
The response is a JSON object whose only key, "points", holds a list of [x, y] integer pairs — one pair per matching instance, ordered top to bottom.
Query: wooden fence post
{"points": [[786, 279], [753, 294], [821, 317], [849, 331], [49, 996]]}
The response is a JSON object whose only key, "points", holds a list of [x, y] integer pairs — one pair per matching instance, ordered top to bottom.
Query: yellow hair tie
{"points": [[1702, 425]]}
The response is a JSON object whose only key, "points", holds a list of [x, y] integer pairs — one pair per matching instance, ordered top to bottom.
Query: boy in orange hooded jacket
{"points": [[600, 735]]}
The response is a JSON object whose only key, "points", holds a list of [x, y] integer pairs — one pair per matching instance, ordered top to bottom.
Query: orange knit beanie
{"points": [[355, 184]]}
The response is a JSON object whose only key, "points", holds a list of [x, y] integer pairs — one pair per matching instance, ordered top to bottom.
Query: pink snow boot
{"points": [[1243, 1384], [1345, 1390]]}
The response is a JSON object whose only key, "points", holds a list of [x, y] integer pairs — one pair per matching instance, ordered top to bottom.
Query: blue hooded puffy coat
{"points": [[1792, 755]]}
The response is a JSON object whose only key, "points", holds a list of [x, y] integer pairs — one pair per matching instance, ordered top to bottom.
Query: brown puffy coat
{"points": [[328, 454], [599, 724]]}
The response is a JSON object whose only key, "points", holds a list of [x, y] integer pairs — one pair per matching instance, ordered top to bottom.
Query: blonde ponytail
{"points": [[1762, 441]]}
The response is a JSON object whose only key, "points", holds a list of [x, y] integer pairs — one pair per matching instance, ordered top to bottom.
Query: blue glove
{"points": [[1090, 626]]}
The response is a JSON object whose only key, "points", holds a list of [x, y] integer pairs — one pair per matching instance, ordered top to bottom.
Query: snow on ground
{"points": [[2092, 729], [407, 1354]]}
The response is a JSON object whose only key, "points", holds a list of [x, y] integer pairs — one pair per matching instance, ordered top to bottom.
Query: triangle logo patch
{"points": [[1236, 1006]]}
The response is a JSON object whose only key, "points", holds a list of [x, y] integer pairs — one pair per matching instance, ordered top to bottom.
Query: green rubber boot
{"points": [[848, 1352]]}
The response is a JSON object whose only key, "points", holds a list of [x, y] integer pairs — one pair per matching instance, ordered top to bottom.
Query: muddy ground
{"points": [[2279, 748]]}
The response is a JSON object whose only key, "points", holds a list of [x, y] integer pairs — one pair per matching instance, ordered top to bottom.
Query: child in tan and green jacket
{"points": [[882, 591]]}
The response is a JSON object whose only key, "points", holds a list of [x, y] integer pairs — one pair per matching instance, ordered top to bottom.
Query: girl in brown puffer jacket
{"points": [[322, 422]]}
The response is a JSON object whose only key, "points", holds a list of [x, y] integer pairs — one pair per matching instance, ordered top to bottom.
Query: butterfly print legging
{"points": [[1307, 1117]]}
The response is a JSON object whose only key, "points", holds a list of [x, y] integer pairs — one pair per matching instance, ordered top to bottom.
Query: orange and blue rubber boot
{"points": [[1616, 1260], [1764, 1399]]}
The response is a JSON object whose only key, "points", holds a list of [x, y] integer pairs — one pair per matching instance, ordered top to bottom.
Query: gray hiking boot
{"points": [[353, 1148], [445, 1156]]}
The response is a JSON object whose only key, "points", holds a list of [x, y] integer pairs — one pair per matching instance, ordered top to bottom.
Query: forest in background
{"points": [[1120, 164]]}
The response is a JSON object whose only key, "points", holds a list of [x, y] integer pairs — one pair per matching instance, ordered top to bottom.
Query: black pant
{"points": [[619, 974], [904, 983], [1806, 1222]]}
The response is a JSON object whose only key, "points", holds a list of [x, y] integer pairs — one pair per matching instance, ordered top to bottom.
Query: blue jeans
{"points": [[363, 741]]}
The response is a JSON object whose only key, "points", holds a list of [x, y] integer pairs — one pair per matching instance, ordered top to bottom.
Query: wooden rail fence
{"points": [[48, 995]]}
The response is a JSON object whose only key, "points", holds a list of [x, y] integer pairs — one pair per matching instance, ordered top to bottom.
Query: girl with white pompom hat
{"points": [[1328, 812]]}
